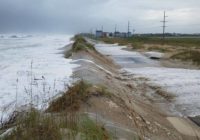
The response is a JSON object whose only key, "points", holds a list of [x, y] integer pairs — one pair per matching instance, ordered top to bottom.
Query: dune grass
{"points": [[175, 41], [81, 44], [188, 55], [77, 94], [71, 99], [61, 120], [34, 126], [71, 126]]}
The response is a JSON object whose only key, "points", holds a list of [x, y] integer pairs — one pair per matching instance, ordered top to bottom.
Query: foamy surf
{"points": [[32, 70]]}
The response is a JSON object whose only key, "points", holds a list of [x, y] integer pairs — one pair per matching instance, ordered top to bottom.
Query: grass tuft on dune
{"points": [[81, 44]]}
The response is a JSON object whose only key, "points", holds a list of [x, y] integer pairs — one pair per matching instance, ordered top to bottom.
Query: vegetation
{"points": [[184, 42], [81, 44], [158, 48], [188, 49], [188, 55], [79, 93], [71, 99], [61, 120], [34, 126], [38, 126], [93, 131]]}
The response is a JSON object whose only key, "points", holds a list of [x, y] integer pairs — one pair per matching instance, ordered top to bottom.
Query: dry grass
{"points": [[184, 42], [81, 44], [137, 45], [158, 48], [188, 55], [72, 99], [61, 120], [35, 125]]}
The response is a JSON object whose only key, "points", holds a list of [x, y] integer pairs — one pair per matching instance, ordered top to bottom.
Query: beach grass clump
{"points": [[79, 38], [81, 44], [188, 55], [76, 95], [71, 99], [34, 126]]}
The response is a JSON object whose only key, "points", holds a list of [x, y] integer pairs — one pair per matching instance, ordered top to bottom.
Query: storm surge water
{"points": [[32, 70], [184, 84]]}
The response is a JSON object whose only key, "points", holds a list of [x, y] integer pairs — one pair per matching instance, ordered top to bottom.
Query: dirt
{"points": [[134, 109]]}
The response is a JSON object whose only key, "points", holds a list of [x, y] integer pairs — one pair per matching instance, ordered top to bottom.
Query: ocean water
{"points": [[32, 70]]}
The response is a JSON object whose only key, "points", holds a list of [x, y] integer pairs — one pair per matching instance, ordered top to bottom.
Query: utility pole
{"points": [[164, 25], [102, 28], [128, 28], [115, 30]]}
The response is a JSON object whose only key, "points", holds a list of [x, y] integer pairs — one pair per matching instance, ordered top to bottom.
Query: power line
{"points": [[164, 25]]}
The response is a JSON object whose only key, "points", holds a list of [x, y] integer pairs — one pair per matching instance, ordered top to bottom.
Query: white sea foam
{"points": [[50, 70], [183, 83]]}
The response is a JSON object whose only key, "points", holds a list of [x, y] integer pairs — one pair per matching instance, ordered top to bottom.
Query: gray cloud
{"points": [[77, 15]]}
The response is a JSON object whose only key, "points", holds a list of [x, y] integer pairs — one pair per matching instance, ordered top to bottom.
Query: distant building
{"points": [[99, 33], [106, 34], [117, 34], [123, 35]]}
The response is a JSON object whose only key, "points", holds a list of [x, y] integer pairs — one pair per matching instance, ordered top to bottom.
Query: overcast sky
{"points": [[75, 16]]}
